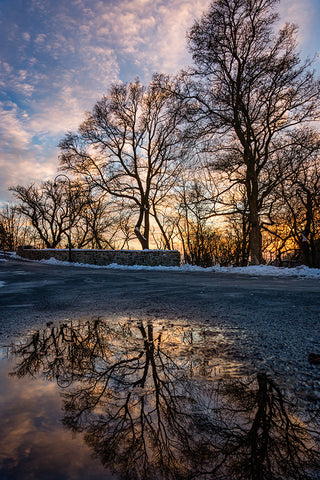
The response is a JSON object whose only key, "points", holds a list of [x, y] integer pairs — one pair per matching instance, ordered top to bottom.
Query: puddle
{"points": [[149, 400]]}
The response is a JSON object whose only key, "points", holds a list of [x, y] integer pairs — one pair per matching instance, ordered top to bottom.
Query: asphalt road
{"points": [[33, 293], [272, 322]]}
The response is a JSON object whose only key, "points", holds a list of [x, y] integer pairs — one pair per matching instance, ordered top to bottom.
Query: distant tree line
{"points": [[220, 161]]}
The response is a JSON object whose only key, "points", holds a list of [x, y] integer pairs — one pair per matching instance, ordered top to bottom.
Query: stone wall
{"points": [[105, 257]]}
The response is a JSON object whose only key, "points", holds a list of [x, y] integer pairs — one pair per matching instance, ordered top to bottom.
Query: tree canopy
{"points": [[251, 91], [220, 161]]}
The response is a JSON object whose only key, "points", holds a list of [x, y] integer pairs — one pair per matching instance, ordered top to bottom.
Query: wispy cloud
{"points": [[298, 12], [305, 14], [148, 35], [57, 58], [13, 132], [20, 160]]}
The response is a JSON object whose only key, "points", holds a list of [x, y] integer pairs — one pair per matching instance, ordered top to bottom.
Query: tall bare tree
{"points": [[249, 88], [129, 147]]}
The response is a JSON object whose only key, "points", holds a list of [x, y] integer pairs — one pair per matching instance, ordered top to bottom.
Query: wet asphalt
{"points": [[32, 294]]}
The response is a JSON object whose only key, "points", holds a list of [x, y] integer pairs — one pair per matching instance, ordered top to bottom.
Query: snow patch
{"points": [[103, 250], [254, 270], [268, 270]]}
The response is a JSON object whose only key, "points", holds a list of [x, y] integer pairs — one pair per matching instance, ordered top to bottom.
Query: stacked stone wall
{"points": [[105, 257]]}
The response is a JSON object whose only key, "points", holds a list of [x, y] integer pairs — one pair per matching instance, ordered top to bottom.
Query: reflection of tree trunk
{"points": [[148, 350], [144, 418], [273, 432], [259, 434]]}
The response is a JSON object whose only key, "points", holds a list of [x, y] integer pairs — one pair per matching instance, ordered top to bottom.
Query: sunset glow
{"points": [[57, 58]]}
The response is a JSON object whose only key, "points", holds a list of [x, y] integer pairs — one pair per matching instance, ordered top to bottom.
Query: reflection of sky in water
{"points": [[151, 400], [33, 443]]}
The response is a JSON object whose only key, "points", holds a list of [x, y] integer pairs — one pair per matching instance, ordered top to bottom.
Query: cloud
{"points": [[296, 11], [301, 13], [177, 19], [148, 34], [26, 36], [40, 39], [58, 58], [15, 80], [13, 133], [20, 160], [22, 168], [34, 435]]}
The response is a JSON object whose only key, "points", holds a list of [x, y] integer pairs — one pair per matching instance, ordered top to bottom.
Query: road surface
{"points": [[273, 322]]}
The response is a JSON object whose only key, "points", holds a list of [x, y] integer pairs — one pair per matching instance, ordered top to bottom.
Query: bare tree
{"points": [[249, 89], [129, 147], [52, 208], [294, 217], [104, 222], [207, 228], [13, 229]]}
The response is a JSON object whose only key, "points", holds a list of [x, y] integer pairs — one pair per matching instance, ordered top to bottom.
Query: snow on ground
{"points": [[254, 270], [2, 284]]}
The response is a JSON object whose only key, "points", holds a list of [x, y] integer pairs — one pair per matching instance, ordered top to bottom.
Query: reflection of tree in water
{"points": [[152, 406], [260, 437]]}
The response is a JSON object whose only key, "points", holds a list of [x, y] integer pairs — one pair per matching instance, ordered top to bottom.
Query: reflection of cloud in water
{"points": [[157, 401], [33, 443]]}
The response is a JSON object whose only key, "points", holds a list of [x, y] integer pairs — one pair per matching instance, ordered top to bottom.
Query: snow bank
{"points": [[259, 270], [267, 270]]}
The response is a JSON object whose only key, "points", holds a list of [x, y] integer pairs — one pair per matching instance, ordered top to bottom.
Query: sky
{"points": [[58, 57]]}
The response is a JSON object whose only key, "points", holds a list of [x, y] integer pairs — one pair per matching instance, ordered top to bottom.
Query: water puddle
{"points": [[137, 399]]}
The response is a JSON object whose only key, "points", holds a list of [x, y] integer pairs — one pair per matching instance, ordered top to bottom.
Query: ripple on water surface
{"points": [[135, 399]]}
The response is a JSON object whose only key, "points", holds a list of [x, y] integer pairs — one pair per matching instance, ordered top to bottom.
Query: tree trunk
{"points": [[146, 227], [163, 233], [255, 237], [143, 238], [255, 240], [307, 240], [244, 242]]}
